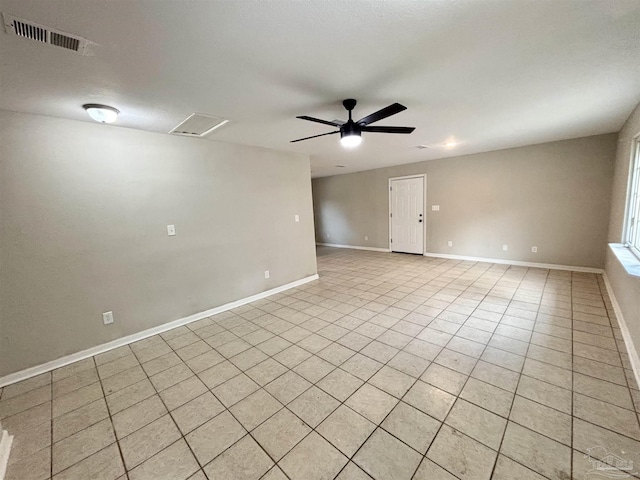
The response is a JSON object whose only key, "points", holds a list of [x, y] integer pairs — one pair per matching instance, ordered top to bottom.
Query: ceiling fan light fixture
{"points": [[101, 113], [351, 131], [350, 140]]}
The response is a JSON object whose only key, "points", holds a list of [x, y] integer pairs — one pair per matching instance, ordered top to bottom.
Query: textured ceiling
{"points": [[489, 74]]}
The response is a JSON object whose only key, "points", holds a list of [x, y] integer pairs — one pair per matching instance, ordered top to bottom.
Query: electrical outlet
{"points": [[435, 208], [297, 217], [171, 230], [366, 238], [450, 243], [505, 247], [534, 249], [266, 274], [107, 318]]}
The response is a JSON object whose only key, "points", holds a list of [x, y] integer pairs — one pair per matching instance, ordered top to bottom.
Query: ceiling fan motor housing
{"points": [[350, 128]]}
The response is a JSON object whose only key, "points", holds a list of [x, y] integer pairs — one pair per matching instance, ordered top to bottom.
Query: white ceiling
{"points": [[490, 74]]}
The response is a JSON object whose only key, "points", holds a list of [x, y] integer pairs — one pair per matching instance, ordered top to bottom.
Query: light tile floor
{"points": [[390, 366]]}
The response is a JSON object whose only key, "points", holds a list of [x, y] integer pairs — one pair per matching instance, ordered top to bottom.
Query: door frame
{"points": [[423, 176]]}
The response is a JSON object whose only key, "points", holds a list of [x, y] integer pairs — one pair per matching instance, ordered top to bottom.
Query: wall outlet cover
{"points": [[435, 208], [297, 217], [171, 230], [450, 243], [505, 247], [534, 249], [266, 274], [107, 318]]}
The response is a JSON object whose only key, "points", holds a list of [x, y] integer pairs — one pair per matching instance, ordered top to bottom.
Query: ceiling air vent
{"points": [[40, 33], [198, 125]]}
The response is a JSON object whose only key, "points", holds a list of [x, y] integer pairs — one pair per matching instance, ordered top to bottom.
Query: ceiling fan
{"points": [[351, 132]]}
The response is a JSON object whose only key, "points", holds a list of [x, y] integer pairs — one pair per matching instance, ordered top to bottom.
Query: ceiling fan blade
{"points": [[380, 114], [318, 120], [388, 129], [315, 136]]}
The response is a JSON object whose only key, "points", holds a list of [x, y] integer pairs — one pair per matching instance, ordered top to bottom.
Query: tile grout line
{"points": [[358, 352], [525, 357], [227, 359], [445, 367], [418, 379], [466, 381], [629, 387], [157, 392], [513, 400], [341, 403], [227, 409], [442, 423], [115, 436], [51, 447], [571, 454]]}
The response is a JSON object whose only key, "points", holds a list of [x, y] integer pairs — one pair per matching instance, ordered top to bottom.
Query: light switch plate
{"points": [[297, 217], [171, 230]]}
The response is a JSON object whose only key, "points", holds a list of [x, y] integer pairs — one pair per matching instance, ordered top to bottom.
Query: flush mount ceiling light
{"points": [[101, 113], [450, 144]]}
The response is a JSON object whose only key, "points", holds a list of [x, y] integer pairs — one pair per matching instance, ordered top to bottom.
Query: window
{"points": [[632, 231]]}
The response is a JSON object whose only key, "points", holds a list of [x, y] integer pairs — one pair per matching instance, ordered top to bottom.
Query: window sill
{"points": [[627, 259]]}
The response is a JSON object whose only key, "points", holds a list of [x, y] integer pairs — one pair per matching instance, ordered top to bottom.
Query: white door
{"points": [[407, 215]]}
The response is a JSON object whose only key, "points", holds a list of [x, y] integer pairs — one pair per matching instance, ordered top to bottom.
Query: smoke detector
{"points": [[43, 34], [198, 125]]}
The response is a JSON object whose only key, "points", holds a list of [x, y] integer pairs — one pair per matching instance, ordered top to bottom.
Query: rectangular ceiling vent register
{"points": [[43, 34], [198, 125]]}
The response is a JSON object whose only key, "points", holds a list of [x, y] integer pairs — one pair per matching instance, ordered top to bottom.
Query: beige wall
{"points": [[554, 196], [83, 215], [626, 288]]}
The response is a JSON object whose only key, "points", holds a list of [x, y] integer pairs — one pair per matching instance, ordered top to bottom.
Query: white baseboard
{"points": [[354, 247], [518, 263], [105, 347], [634, 357], [5, 448]]}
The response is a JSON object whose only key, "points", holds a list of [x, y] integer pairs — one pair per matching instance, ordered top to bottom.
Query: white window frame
{"points": [[632, 222]]}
